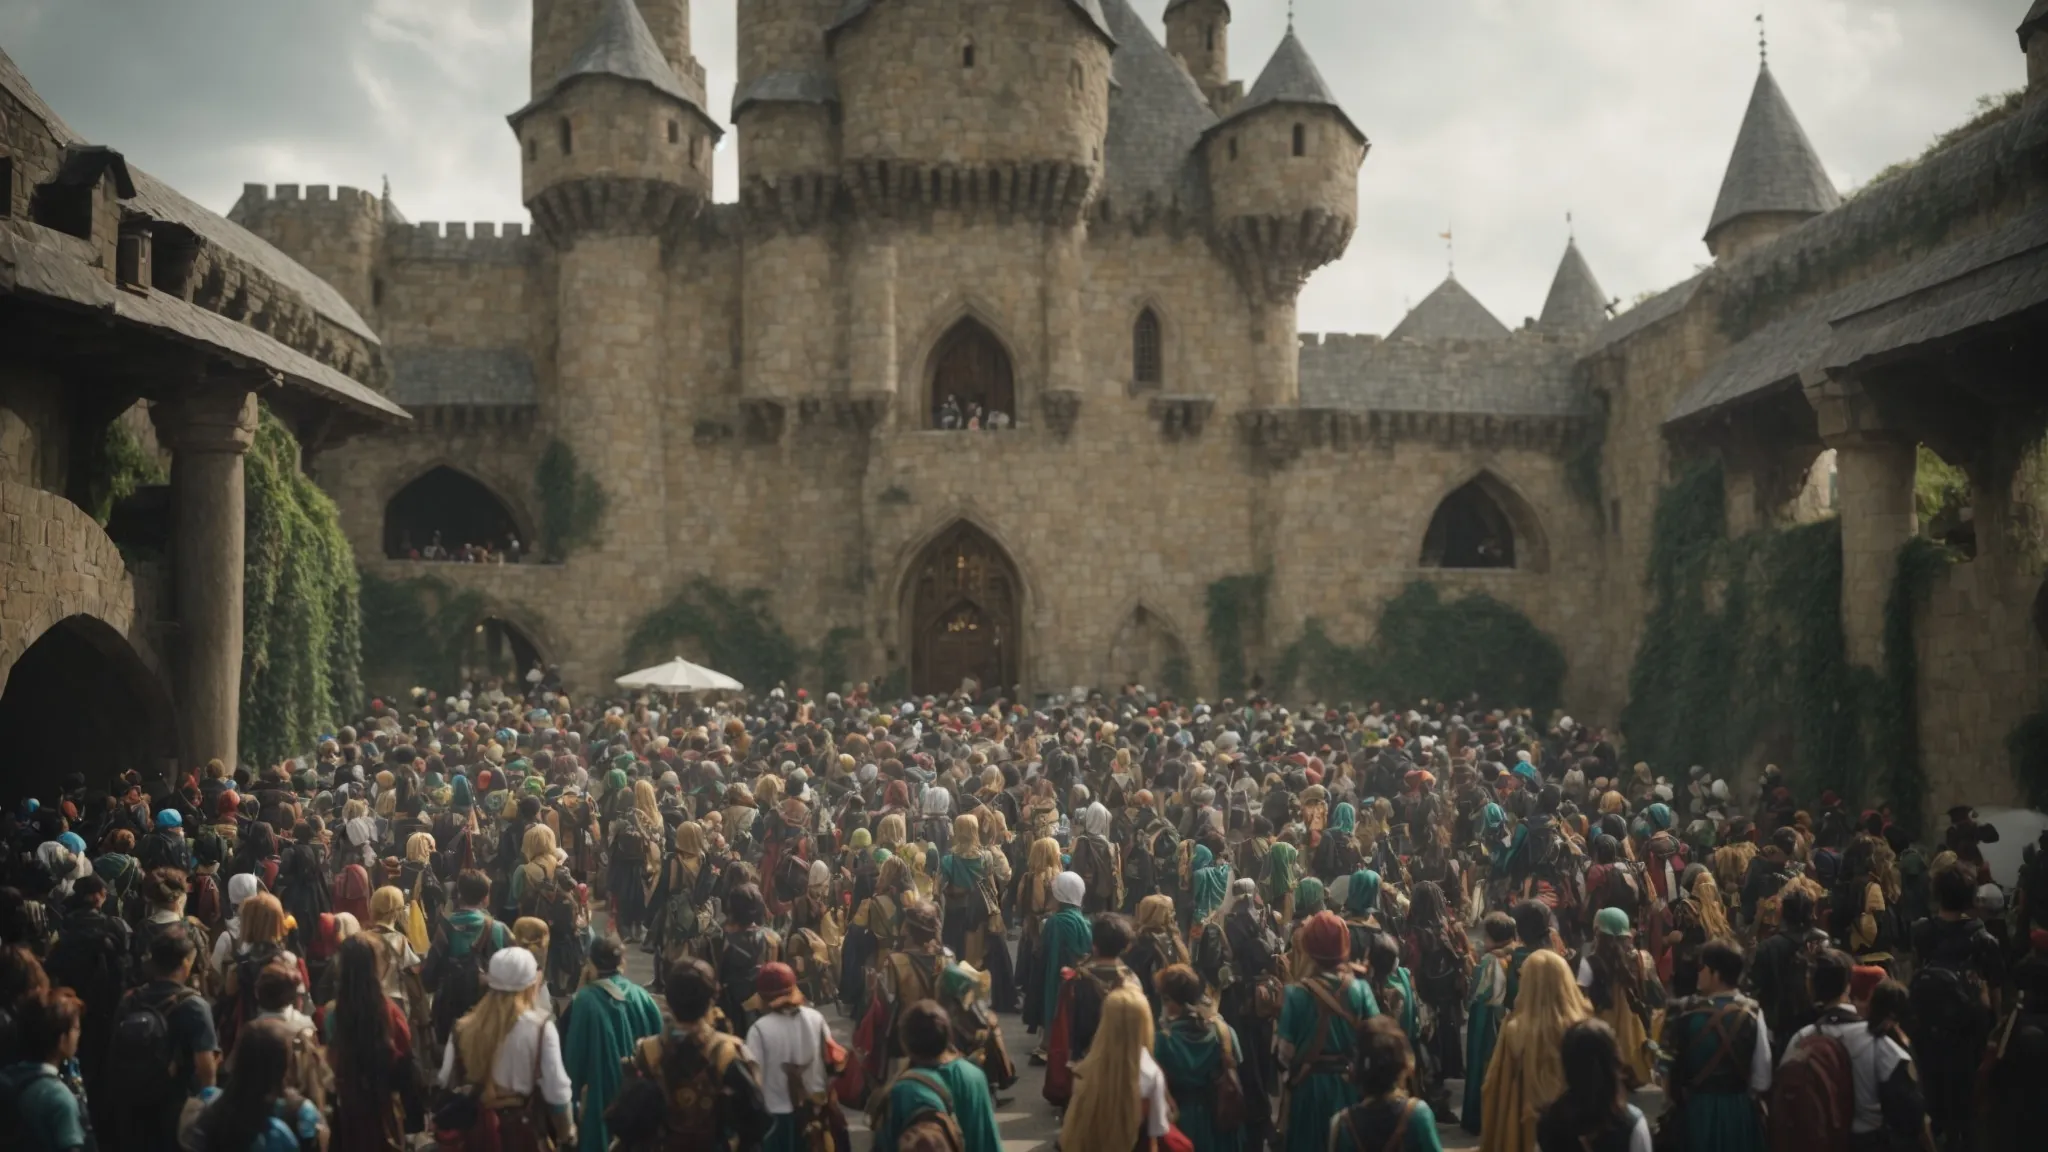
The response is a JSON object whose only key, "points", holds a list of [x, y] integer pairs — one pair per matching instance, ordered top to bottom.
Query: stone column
{"points": [[209, 429], [1875, 468]]}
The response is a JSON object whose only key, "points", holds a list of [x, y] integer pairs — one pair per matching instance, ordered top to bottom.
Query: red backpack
{"points": [[1813, 1097]]}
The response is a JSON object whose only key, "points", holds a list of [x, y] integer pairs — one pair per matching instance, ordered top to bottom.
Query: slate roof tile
{"points": [[619, 45], [1291, 77], [1156, 119], [1774, 167], [1575, 304], [1449, 313], [1528, 375], [464, 377]]}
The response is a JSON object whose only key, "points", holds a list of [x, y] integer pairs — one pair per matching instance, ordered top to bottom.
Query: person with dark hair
{"points": [[511, 855], [304, 884], [1534, 931], [462, 949], [741, 951], [93, 957], [1103, 973], [1777, 974], [1620, 981], [277, 996], [1956, 997], [1485, 1012], [609, 1016], [369, 1047], [1189, 1048], [1717, 1058], [935, 1085], [704, 1092], [151, 1096], [2019, 1107], [1890, 1110], [256, 1113], [43, 1114], [1594, 1114], [1386, 1117]]}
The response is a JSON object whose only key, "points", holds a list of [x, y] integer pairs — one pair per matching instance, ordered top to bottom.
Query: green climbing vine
{"points": [[115, 465], [572, 503], [301, 617], [1236, 617], [415, 632], [736, 633], [1428, 647], [1743, 648], [833, 662], [1897, 735]]}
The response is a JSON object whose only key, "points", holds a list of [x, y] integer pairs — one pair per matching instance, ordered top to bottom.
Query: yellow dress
{"points": [[1509, 1102]]}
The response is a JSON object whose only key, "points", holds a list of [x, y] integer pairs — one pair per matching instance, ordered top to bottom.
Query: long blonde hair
{"points": [[643, 803], [890, 832], [966, 836], [690, 840], [539, 844], [419, 848], [1045, 857], [385, 905], [1155, 915], [1713, 916], [531, 933], [1548, 1002], [482, 1030], [1107, 1109]]}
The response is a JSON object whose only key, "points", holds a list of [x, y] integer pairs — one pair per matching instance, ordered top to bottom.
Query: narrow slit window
{"points": [[1209, 38], [967, 55], [562, 131], [675, 132], [1301, 139], [1233, 147], [532, 149], [6, 187], [1146, 367]]}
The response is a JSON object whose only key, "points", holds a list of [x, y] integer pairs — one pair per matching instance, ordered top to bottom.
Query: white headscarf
{"points": [[937, 802], [1095, 820], [821, 875], [1069, 888], [1245, 888]]}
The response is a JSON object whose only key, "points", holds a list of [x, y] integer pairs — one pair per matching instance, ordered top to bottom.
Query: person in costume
{"points": [[1035, 906], [1156, 945], [1620, 981], [963, 993], [1485, 1011], [609, 1016], [1319, 1021], [788, 1038], [1190, 1047], [1523, 1075], [936, 1080], [1716, 1093], [1120, 1094], [1386, 1116]]}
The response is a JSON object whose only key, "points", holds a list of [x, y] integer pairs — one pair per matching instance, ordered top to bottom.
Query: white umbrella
{"points": [[679, 675]]}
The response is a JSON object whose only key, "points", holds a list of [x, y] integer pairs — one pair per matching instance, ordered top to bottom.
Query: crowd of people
{"points": [[468, 553], [1224, 928]]}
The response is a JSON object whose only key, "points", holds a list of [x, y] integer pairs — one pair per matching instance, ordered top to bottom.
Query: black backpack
{"points": [[89, 958], [1440, 976], [462, 984], [1948, 998], [143, 1057]]}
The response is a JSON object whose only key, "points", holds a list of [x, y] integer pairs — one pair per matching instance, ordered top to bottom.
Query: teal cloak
{"points": [[1064, 942], [606, 1019], [1188, 1051], [1316, 1098], [973, 1106]]}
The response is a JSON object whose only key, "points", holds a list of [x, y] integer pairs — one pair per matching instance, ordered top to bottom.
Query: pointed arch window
{"points": [[1148, 368]]}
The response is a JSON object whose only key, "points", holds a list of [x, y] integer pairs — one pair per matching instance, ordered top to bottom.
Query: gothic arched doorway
{"points": [[971, 372], [451, 507], [1475, 527], [965, 614], [498, 649], [80, 700]]}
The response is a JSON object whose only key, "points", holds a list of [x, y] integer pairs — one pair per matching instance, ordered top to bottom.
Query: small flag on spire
{"points": [[1763, 40]]}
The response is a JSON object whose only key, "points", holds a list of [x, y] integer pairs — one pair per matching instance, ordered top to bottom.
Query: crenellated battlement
{"points": [[483, 242]]}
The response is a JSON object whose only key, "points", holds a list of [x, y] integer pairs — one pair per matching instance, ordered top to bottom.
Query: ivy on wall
{"points": [[115, 465], [1582, 467], [572, 503], [1236, 616], [301, 617], [414, 632], [736, 632], [1427, 647], [1743, 647], [833, 663]]}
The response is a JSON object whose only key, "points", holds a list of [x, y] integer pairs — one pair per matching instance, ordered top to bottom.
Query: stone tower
{"points": [[1198, 35], [783, 110], [959, 113], [616, 154], [1283, 179], [1774, 179], [337, 233], [1575, 306]]}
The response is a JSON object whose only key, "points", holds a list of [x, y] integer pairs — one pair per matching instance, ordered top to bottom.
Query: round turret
{"points": [[1198, 34], [1003, 105], [783, 107], [616, 144], [1283, 172]]}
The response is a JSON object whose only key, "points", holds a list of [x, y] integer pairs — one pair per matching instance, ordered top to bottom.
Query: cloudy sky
{"points": [[1492, 117]]}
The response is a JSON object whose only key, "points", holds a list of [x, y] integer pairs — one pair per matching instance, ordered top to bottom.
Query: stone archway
{"points": [[971, 369], [456, 507], [1484, 524], [966, 614], [497, 648], [81, 700]]}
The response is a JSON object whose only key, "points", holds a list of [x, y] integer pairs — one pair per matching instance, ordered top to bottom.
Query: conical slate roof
{"points": [[1173, 4], [851, 10], [2035, 20], [619, 45], [1291, 77], [1156, 118], [1774, 168], [1575, 303], [1449, 313]]}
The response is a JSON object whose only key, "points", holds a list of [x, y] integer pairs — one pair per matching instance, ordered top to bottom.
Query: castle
{"points": [[1036, 210], [992, 371]]}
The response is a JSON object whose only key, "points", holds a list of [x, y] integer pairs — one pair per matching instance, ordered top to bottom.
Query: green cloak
{"points": [[606, 1019]]}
